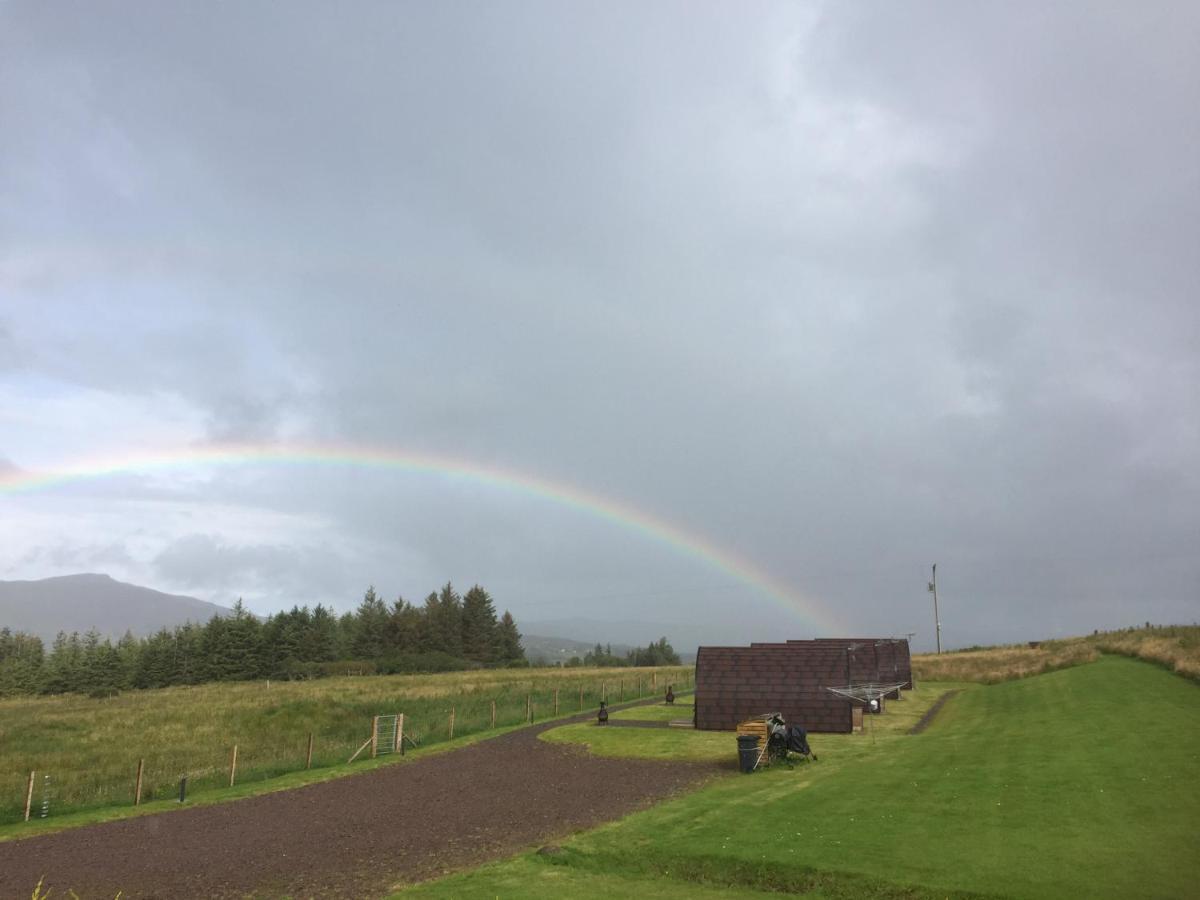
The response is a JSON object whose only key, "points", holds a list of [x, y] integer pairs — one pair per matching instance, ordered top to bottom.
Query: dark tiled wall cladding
{"points": [[738, 683]]}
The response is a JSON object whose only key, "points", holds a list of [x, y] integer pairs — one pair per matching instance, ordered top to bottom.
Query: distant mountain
{"points": [[79, 602]]}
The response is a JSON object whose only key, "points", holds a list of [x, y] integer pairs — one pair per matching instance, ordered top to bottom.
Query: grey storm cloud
{"points": [[844, 291], [208, 562]]}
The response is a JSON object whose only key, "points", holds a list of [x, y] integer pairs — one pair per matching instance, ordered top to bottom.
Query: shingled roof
{"points": [[893, 662], [737, 683]]}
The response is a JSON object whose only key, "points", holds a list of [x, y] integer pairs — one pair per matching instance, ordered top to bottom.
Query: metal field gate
{"points": [[387, 734]]}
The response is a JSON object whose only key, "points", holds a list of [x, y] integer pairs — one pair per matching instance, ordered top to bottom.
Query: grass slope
{"points": [[1176, 647], [1081, 782]]}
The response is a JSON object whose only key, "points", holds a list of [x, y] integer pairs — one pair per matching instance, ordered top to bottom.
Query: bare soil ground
{"points": [[351, 837]]}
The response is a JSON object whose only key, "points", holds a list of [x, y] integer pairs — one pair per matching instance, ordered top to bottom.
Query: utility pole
{"points": [[936, 620]]}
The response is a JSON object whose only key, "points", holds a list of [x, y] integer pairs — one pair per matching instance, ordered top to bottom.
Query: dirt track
{"points": [[931, 713], [351, 837]]}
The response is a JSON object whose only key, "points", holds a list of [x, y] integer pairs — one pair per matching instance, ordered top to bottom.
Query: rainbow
{"points": [[618, 513]]}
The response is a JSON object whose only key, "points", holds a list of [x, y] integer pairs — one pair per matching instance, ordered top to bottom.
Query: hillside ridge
{"points": [[88, 600]]}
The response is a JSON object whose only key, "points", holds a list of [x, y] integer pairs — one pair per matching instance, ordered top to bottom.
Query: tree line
{"points": [[445, 633], [656, 653]]}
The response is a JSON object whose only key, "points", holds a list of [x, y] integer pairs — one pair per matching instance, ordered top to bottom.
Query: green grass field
{"points": [[90, 747], [1083, 782]]}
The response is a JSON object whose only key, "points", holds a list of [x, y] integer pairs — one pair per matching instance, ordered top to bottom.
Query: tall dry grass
{"points": [[1175, 647], [990, 666], [90, 747]]}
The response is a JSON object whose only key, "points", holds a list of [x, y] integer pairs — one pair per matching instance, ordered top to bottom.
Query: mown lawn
{"points": [[1084, 782]]}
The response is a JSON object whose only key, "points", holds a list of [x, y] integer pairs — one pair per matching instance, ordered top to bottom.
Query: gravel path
{"points": [[351, 837]]}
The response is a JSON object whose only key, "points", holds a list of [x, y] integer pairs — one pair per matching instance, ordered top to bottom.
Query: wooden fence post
{"points": [[654, 681], [621, 682], [581, 698], [556, 701], [528, 709], [493, 713], [452, 723], [400, 733], [374, 735], [365, 745], [308, 755], [233, 765], [137, 787], [29, 795]]}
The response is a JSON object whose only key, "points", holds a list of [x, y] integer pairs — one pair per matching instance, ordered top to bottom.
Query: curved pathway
{"points": [[357, 836]]}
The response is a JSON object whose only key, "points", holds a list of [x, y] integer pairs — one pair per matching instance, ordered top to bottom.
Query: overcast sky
{"points": [[842, 289]]}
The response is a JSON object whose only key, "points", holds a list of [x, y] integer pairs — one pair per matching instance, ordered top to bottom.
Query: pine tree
{"points": [[429, 621], [370, 624], [405, 624], [446, 625], [478, 626], [347, 629], [282, 636], [508, 641], [321, 642], [128, 649], [212, 650], [240, 651], [22, 658], [186, 661], [154, 664], [64, 668], [103, 670], [89, 672]]}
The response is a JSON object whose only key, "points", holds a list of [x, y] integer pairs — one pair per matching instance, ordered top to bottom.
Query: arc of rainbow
{"points": [[618, 513]]}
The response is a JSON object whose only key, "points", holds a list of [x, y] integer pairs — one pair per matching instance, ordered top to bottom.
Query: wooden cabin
{"points": [[734, 684]]}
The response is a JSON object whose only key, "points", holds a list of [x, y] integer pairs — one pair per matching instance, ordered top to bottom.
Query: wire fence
{"points": [[87, 773]]}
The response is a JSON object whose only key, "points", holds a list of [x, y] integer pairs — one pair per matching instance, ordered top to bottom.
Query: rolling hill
{"points": [[79, 602]]}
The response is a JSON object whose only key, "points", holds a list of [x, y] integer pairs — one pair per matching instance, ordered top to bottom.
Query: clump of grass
{"points": [[1002, 663], [44, 894]]}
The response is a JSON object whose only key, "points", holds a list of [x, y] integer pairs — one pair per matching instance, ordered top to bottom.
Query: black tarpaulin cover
{"points": [[797, 740]]}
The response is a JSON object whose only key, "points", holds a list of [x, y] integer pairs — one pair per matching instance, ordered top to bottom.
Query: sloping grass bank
{"points": [[1175, 647], [996, 664], [1080, 782]]}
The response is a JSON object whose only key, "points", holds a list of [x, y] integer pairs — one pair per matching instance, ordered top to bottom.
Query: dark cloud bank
{"points": [[845, 291]]}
